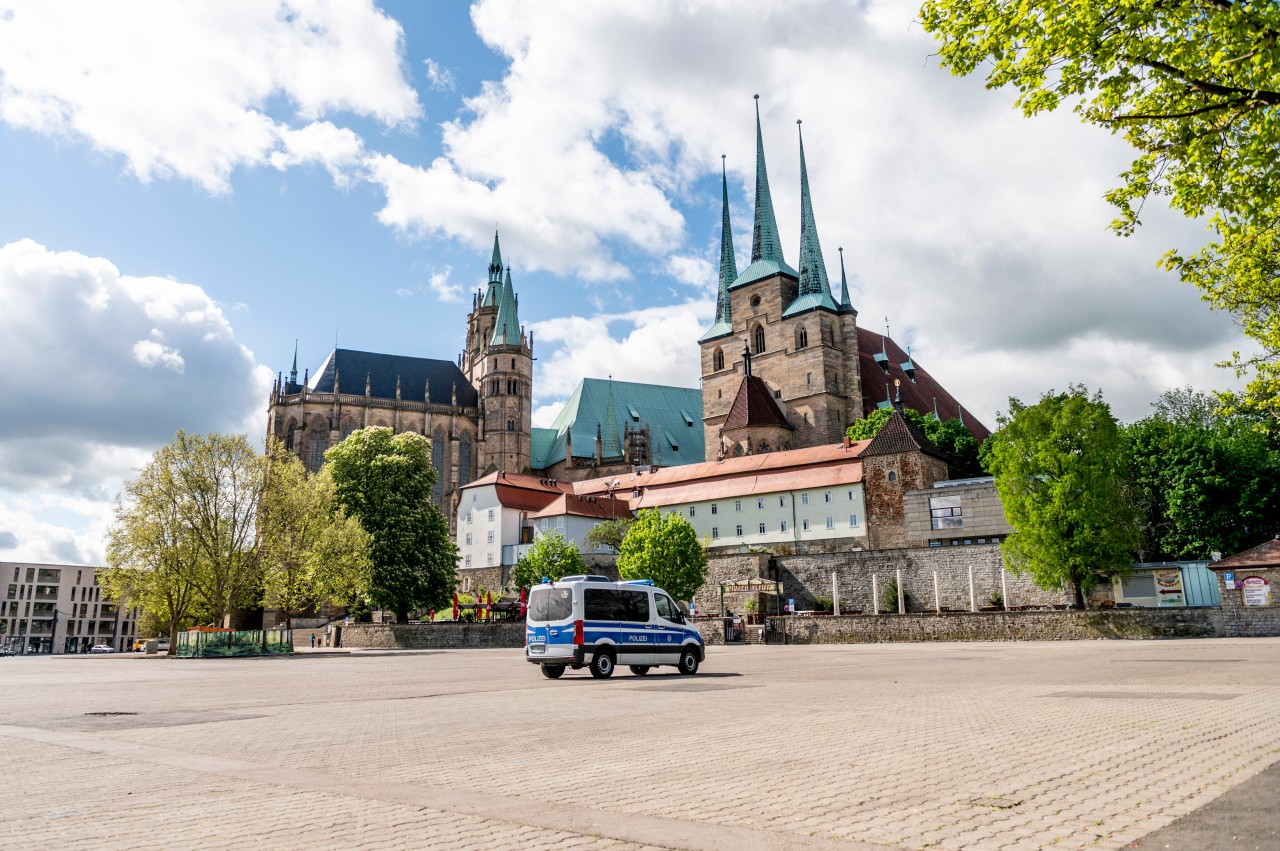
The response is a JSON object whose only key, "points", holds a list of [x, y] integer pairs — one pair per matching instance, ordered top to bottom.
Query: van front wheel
{"points": [[688, 661], [602, 665], [552, 672]]}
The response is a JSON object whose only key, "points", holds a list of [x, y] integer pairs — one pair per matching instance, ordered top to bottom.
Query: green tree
{"points": [[1193, 86], [951, 438], [1060, 470], [385, 481], [1203, 482], [609, 533], [664, 548], [315, 554], [550, 556]]}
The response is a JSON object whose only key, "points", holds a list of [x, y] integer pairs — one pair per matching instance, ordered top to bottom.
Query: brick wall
{"points": [[439, 636]]}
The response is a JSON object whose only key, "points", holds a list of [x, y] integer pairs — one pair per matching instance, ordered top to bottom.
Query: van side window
{"points": [[601, 604], [666, 608]]}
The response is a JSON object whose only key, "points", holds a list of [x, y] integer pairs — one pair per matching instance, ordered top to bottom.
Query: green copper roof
{"points": [[766, 246], [815, 289], [493, 294], [846, 306], [723, 325], [506, 330], [672, 414], [610, 442]]}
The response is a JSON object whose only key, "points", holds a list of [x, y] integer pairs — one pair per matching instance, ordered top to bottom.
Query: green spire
{"points": [[766, 247], [728, 265], [815, 289], [493, 293], [846, 306], [506, 330], [293, 373], [611, 446]]}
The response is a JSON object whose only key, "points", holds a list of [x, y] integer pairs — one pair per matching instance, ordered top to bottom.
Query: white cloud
{"points": [[438, 77], [185, 89], [694, 271], [445, 290], [104, 368], [544, 415]]}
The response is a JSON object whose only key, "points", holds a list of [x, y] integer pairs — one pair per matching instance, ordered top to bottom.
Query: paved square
{"points": [[1011, 745]]}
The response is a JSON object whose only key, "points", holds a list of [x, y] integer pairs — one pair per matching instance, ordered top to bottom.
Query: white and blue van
{"points": [[591, 620]]}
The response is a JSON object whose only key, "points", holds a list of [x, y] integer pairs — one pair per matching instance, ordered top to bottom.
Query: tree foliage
{"points": [[1193, 86], [951, 438], [1060, 470], [385, 480], [1203, 482], [609, 533], [183, 541], [664, 548], [315, 554], [550, 556]]}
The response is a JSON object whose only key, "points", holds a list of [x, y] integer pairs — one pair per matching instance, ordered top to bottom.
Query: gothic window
{"points": [[802, 337], [758, 340], [717, 359], [511, 425], [348, 426], [288, 441], [763, 446], [315, 452], [464, 459], [437, 461]]}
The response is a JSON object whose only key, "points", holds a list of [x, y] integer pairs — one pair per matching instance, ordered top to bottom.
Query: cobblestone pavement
{"points": [[986, 746]]}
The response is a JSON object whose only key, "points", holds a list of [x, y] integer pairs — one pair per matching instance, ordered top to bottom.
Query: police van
{"points": [[590, 620]]}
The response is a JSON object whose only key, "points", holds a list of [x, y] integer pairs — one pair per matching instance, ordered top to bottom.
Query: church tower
{"points": [[803, 345], [498, 362]]}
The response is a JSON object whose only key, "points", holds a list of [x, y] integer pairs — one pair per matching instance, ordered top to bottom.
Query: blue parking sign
{"points": [[1228, 577]]}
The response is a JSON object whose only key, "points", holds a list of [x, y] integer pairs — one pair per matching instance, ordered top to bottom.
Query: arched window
{"points": [[802, 337], [757, 338], [717, 359], [511, 425], [348, 426], [288, 440], [315, 452], [464, 459], [437, 461]]}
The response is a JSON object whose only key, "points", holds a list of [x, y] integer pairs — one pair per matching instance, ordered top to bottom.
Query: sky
{"points": [[186, 189]]}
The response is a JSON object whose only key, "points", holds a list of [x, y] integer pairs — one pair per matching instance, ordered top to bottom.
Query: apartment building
{"points": [[54, 609]]}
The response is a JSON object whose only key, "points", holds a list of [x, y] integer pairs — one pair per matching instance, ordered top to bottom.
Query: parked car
{"points": [[102, 648], [5, 651]]}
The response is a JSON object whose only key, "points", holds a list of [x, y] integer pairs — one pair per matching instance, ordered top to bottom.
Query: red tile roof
{"points": [[918, 393], [754, 406], [899, 434], [527, 493], [587, 506], [1266, 554]]}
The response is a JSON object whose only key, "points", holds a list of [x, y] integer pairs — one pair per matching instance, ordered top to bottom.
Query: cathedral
{"points": [[784, 366]]}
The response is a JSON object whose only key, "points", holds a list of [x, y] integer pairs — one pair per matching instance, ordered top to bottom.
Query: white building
{"points": [[54, 608]]}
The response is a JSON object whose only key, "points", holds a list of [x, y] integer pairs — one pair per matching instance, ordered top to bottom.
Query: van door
{"points": [[549, 624], [668, 629]]}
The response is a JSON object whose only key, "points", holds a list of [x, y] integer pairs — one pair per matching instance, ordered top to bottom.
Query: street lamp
{"points": [[613, 510]]}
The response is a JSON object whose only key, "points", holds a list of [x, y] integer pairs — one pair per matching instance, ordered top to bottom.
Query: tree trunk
{"points": [[1079, 589]]}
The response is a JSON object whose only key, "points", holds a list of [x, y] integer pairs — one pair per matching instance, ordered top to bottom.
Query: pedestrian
{"points": [[313, 641]]}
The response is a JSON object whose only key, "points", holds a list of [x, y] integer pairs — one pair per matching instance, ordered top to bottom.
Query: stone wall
{"points": [[726, 568], [1237, 619], [437, 636]]}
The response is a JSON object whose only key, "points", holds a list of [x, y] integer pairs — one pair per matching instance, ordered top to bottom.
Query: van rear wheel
{"points": [[688, 661], [602, 665], [639, 670], [552, 672]]}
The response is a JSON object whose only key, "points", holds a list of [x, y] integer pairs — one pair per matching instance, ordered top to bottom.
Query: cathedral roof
{"points": [[766, 245], [815, 289], [494, 291], [723, 325], [506, 328], [349, 368], [920, 391], [754, 406], [672, 414]]}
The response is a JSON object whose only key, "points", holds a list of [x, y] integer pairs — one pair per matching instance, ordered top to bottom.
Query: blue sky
{"points": [[185, 189]]}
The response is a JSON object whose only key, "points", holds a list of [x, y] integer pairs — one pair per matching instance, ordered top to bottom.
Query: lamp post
{"points": [[611, 487]]}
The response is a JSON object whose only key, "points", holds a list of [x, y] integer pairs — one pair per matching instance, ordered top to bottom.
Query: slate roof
{"points": [[351, 367], [919, 393], [754, 406], [673, 415], [899, 435], [1266, 554]]}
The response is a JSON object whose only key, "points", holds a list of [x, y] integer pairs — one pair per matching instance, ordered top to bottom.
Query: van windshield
{"points": [[550, 604]]}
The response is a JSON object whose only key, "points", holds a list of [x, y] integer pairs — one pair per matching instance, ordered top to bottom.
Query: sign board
{"points": [[1229, 578], [1169, 590], [1256, 591]]}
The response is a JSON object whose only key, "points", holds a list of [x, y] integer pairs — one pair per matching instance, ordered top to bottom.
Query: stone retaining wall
{"points": [[437, 636]]}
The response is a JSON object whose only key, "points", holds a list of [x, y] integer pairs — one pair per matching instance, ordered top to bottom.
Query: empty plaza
{"points": [[982, 745]]}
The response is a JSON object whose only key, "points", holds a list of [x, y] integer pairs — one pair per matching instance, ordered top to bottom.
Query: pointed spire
{"points": [[765, 244], [815, 289], [493, 294], [846, 306], [723, 324], [506, 329], [293, 373]]}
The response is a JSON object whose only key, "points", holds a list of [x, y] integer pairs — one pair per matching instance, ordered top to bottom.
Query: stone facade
{"points": [[886, 479], [981, 513], [1237, 619]]}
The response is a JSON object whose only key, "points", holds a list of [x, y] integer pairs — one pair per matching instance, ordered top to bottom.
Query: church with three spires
{"points": [[784, 366]]}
